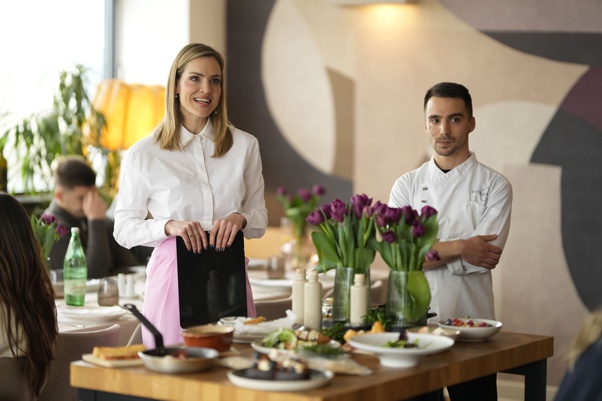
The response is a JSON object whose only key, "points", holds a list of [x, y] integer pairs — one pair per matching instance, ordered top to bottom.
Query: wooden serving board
{"points": [[119, 363]]}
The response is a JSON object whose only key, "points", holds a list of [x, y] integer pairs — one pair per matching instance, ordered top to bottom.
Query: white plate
{"points": [[91, 313], [231, 320], [475, 333], [259, 347], [400, 357], [318, 378]]}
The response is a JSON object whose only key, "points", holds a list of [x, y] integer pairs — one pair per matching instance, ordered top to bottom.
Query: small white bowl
{"points": [[475, 333], [400, 357]]}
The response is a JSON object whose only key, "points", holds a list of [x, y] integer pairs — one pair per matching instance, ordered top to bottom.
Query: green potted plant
{"points": [[66, 129]]}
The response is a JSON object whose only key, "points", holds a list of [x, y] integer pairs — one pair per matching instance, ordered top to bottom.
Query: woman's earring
{"points": [[176, 96]]}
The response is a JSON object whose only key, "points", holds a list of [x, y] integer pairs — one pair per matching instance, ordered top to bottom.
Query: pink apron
{"points": [[161, 302]]}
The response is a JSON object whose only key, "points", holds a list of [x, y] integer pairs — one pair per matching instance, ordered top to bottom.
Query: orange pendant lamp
{"points": [[131, 112]]}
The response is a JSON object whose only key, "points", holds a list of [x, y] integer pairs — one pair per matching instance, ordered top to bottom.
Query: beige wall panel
{"points": [[397, 62], [537, 292]]}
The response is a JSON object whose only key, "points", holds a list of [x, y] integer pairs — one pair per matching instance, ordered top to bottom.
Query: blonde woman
{"points": [[195, 174], [583, 379]]}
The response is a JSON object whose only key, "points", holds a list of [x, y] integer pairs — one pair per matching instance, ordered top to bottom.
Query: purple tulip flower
{"points": [[318, 190], [281, 191], [304, 194], [358, 202], [326, 210], [338, 210], [368, 211], [428, 211], [393, 214], [409, 214], [315, 218], [47, 219], [418, 229], [61, 230], [389, 236], [432, 256]]}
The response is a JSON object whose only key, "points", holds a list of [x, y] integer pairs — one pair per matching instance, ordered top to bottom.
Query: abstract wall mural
{"points": [[303, 125]]}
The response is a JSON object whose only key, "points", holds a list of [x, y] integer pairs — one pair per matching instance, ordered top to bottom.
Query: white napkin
{"points": [[266, 327]]}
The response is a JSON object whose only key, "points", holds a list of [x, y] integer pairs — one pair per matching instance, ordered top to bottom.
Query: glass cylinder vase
{"points": [[343, 281], [401, 305]]}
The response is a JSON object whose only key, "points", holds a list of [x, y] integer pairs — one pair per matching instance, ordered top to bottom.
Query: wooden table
{"points": [[506, 352]]}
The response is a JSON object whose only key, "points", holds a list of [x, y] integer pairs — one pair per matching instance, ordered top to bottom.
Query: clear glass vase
{"points": [[343, 281], [401, 305]]}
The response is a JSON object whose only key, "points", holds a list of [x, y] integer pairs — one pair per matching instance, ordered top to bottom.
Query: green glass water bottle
{"points": [[75, 270]]}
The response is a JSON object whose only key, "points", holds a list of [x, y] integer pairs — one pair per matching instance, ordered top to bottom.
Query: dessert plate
{"points": [[318, 378]]}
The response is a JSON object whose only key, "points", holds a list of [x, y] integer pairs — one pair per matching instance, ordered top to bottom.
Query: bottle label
{"points": [[75, 287]]}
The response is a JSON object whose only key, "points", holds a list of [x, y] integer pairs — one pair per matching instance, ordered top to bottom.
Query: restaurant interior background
{"points": [[334, 94]]}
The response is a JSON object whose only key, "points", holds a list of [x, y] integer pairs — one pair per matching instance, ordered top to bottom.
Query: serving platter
{"points": [[259, 347], [400, 357], [318, 378]]}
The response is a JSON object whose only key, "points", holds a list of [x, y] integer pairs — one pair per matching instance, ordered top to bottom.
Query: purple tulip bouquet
{"points": [[47, 231], [344, 231], [406, 243]]}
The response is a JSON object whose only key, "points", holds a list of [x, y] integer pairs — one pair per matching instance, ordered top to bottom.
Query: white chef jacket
{"points": [[188, 185], [472, 199]]}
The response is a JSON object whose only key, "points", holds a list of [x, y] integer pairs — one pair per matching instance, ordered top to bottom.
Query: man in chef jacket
{"points": [[474, 204]]}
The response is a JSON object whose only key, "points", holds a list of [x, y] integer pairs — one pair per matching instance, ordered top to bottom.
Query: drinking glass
{"points": [[108, 292]]}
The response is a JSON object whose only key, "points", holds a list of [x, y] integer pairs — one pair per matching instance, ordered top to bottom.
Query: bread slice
{"points": [[117, 353]]}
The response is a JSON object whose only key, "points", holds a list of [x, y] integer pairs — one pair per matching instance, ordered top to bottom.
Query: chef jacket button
{"points": [[425, 188], [423, 201]]}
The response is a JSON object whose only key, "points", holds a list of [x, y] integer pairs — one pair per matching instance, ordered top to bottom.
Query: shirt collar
{"points": [[186, 136], [458, 170]]}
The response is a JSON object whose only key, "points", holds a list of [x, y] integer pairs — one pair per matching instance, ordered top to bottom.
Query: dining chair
{"points": [[274, 308], [136, 337], [71, 345], [13, 385]]}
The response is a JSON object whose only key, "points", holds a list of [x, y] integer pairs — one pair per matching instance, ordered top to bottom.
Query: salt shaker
{"points": [[298, 295], [358, 300], [312, 309]]}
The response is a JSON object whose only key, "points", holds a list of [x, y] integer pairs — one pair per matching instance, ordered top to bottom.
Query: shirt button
{"points": [[425, 188]]}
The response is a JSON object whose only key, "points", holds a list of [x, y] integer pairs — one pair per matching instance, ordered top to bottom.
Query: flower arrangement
{"points": [[298, 207], [47, 231], [343, 235], [407, 238], [406, 243]]}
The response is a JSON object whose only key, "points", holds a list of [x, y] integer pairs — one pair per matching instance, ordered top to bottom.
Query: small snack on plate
{"points": [[255, 320], [377, 327], [289, 339], [118, 353], [278, 367]]}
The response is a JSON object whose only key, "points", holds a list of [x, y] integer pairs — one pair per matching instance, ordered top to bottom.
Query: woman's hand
{"points": [[224, 231], [191, 232]]}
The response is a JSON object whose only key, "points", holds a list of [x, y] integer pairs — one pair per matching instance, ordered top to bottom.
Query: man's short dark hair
{"points": [[450, 89], [74, 171]]}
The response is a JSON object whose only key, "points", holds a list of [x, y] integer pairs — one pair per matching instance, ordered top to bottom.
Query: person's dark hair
{"points": [[450, 89], [74, 171], [26, 295]]}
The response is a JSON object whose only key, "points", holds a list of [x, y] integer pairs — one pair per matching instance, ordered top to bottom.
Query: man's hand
{"points": [[94, 207], [479, 252]]}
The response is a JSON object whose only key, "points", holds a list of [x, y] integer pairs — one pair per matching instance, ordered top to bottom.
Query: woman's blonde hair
{"points": [[169, 128], [590, 332]]}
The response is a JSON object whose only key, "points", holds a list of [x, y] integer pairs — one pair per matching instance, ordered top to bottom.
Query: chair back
{"points": [[275, 308], [71, 345], [13, 384]]}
